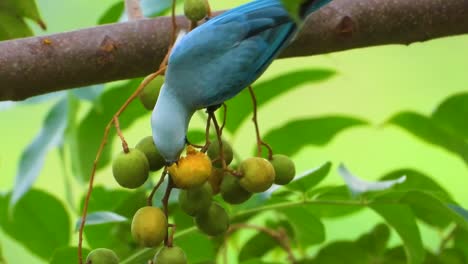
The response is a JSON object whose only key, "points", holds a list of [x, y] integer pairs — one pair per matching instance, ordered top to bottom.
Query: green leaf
{"points": [[23, 8], [112, 14], [12, 26], [89, 93], [238, 107], [452, 113], [91, 129], [313, 131], [431, 132], [32, 159], [309, 179], [416, 181], [358, 186], [342, 202], [433, 211], [99, 218], [401, 218], [39, 222], [308, 229], [116, 235], [461, 241], [375, 242], [260, 244], [197, 246], [257, 246], [341, 252], [67, 255], [395, 255], [451, 256], [2, 258], [258, 261]]}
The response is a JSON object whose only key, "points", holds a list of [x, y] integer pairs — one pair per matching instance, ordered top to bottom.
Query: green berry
{"points": [[195, 10], [150, 93], [146, 145], [214, 153], [131, 169], [284, 169], [258, 174], [232, 192], [195, 200], [214, 221], [149, 226], [170, 255], [102, 256]]}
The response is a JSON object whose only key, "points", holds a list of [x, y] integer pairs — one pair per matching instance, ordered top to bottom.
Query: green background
{"points": [[371, 84]]}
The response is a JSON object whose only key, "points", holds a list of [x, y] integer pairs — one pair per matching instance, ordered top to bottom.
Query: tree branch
{"points": [[38, 65]]}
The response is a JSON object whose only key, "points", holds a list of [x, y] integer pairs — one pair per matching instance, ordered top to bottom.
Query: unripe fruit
{"points": [[195, 10], [150, 93], [147, 146], [214, 151], [130, 169], [284, 169], [191, 171], [257, 174], [215, 179], [232, 192], [195, 200], [214, 221], [149, 226], [170, 255], [102, 256]]}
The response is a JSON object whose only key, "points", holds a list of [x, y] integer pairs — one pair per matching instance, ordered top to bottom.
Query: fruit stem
{"points": [[119, 132], [207, 135], [260, 142], [156, 187], [165, 203], [170, 240]]}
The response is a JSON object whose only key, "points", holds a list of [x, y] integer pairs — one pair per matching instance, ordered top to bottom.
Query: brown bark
{"points": [[38, 65]]}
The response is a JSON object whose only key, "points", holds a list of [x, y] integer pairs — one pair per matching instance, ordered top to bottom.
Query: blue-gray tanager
{"points": [[216, 61]]}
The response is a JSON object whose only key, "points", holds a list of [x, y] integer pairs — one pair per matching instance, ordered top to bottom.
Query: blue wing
{"points": [[217, 60]]}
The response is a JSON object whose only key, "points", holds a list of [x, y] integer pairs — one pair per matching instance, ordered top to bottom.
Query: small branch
{"points": [[133, 9], [120, 134], [260, 142], [98, 156], [156, 187], [165, 203]]}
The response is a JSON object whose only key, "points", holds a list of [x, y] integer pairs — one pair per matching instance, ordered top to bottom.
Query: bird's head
{"points": [[299, 9], [169, 123]]}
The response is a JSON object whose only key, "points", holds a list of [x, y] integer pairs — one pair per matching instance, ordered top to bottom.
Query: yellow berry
{"points": [[191, 171], [258, 174], [149, 226]]}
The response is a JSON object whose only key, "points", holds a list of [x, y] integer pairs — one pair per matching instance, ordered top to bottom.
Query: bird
{"points": [[217, 60]]}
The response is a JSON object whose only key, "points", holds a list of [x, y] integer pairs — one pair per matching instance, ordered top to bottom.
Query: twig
{"points": [[133, 9], [135, 94], [224, 118], [119, 132], [207, 135], [260, 142], [221, 147], [156, 187], [165, 203], [280, 236], [170, 239]]}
